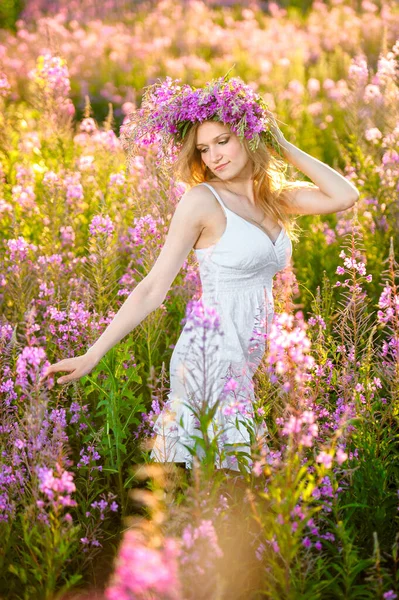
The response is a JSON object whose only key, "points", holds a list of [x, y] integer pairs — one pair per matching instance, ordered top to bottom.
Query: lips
{"points": [[220, 167]]}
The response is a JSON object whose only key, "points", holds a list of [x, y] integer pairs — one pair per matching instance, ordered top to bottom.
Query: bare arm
{"points": [[331, 192], [185, 227], [184, 230], [138, 305]]}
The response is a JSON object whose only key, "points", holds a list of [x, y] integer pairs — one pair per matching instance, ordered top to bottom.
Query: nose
{"points": [[216, 156]]}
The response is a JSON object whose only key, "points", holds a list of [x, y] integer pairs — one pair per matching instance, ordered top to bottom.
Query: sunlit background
{"points": [[83, 512]]}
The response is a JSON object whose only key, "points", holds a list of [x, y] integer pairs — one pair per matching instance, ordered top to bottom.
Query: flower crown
{"points": [[169, 109]]}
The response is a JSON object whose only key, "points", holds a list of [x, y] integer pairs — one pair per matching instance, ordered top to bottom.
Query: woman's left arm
{"points": [[332, 193]]}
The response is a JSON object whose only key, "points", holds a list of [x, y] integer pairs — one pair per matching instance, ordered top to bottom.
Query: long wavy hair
{"points": [[271, 185]]}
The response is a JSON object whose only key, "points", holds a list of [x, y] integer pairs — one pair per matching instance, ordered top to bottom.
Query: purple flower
{"points": [[358, 71], [52, 75], [5, 86], [168, 109], [88, 125], [117, 179], [74, 192], [24, 196], [101, 224], [19, 249], [198, 315], [317, 319], [289, 348], [27, 365], [230, 385], [303, 424], [341, 456], [325, 458], [257, 468], [57, 487], [205, 531], [306, 542], [274, 544], [318, 545], [260, 551], [144, 571], [390, 595]]}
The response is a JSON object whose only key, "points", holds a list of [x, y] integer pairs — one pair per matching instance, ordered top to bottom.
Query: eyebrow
{"points": [[215, 138]]}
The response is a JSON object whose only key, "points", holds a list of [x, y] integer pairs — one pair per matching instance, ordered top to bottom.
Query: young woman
{"points": [[224, 142]]}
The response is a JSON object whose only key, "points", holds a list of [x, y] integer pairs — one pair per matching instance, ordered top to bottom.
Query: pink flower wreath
{"points": [[168, 109]]}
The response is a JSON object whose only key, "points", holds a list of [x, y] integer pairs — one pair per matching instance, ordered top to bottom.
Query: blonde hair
{"points": [[271, 185]]}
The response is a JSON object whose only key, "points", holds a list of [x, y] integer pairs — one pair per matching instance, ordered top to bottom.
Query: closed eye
{"points": [[222, 142]]}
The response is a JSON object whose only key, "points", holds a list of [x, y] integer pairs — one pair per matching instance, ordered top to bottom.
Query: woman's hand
{"points": [[275, 129], [278, 134], [77, 366]]}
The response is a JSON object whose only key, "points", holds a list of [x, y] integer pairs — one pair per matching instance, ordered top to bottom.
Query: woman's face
{"points": [[220, 146]]}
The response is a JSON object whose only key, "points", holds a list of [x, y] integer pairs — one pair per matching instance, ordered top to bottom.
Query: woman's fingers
{"points": [[62, 365], [77, 366], [67, 378]]}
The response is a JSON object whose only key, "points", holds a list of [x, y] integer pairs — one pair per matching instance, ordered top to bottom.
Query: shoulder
{"points": [[197, 194], [199, 201]]}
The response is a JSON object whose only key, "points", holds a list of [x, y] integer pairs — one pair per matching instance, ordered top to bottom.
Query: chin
{"points": [[226, 173]]}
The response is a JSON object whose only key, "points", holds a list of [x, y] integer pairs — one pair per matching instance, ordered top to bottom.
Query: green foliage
{"points": [[9, 13], [117, 408], [373, 485], [41, 558], [344, 574]]}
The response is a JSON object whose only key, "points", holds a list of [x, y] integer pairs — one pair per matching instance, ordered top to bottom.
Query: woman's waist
{"points": [[243, 285]]}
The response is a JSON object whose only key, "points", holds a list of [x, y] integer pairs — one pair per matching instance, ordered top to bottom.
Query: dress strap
{"points": [[208, 185]]}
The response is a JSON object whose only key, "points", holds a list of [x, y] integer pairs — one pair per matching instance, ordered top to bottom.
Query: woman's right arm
{"points": [[185, 227]]}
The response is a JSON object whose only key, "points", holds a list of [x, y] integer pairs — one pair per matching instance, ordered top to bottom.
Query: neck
{"points": [[243, 187]]}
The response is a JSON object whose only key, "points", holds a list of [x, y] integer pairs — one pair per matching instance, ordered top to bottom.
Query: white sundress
{"points": [[236, 277]]}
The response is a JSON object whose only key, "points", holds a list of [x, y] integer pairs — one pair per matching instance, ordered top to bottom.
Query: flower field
{"points": [[84, 512]]}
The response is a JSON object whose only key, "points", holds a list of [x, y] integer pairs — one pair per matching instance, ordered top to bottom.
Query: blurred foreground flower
{"points": [[143, 572]]}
